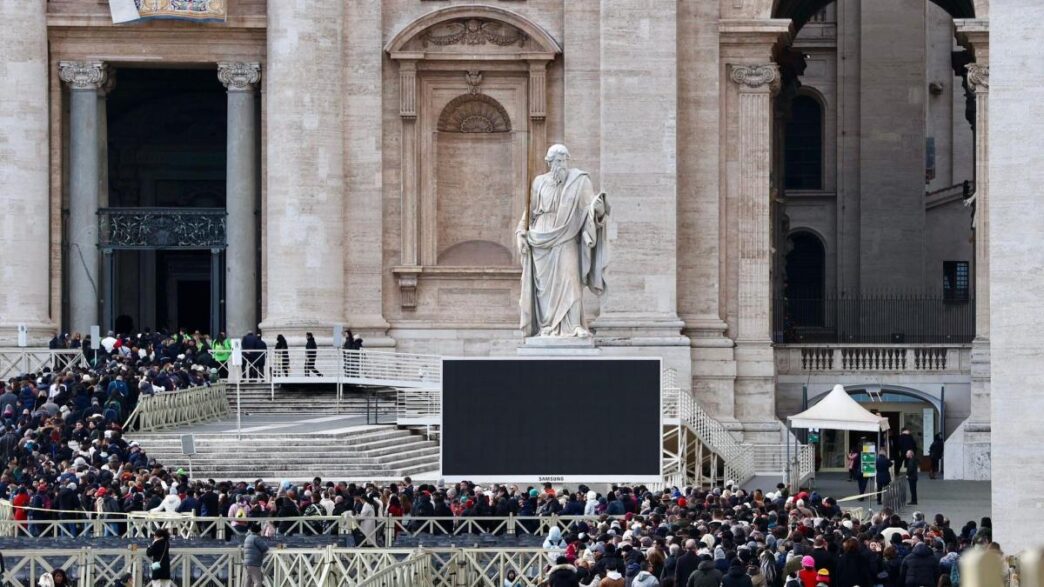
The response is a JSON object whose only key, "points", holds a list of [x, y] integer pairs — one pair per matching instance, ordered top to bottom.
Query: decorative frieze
{"points": [[473, 31], [83, 75], [239, 76]]}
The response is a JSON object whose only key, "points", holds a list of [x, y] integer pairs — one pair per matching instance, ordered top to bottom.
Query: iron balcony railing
{"points": [[162, 228], [877, 319]]}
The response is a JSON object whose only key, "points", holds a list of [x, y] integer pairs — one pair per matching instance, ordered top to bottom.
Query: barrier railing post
{"points": [[511, 525], [221, 528]]}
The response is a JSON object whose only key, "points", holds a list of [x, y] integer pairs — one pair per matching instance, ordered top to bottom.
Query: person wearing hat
{"points": [[808, 575]]}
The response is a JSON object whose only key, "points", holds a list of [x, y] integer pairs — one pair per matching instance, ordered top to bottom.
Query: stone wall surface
{"points": [[1016, 141]]}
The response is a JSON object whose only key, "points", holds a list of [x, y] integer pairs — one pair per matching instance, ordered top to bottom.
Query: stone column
{"points": [[85, 79], [241, 80], [639, 172], [24, 174], [364, 185], [304, 251], [1016, 274], [215, 292], [755, 375], [967, 454]]}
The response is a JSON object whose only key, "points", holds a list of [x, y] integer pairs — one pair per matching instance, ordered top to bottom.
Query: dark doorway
{"points": [[167, 132], [806, 274], [183, 290], [194, 305]]}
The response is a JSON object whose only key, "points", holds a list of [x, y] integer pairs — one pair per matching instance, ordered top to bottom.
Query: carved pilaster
{"points": [[84, 75], [239, 76], [756, 83], [408, 89], [538, 90]]}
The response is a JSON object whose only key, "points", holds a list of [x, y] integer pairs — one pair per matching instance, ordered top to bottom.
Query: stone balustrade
{"points": [[861, 358]]}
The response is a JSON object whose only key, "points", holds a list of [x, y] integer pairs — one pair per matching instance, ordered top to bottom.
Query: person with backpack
{"points": [[254, 549]]}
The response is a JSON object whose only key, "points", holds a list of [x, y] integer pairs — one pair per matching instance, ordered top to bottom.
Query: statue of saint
{"points": [[562, 239]]}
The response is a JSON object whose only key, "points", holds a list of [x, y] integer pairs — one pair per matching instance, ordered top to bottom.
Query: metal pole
{"points": [[239, 412], [786, 470]]}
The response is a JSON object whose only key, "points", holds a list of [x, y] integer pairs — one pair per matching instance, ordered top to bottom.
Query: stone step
{"points": [[362, 434], [328, 453], [311, 456], [264, 462]]}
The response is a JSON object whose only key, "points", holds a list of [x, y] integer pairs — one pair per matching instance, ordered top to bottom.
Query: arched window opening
{"points": [[803, 148], [805, 285]]}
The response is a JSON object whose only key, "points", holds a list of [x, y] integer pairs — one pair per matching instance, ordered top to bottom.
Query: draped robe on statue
{"points": [[567, 250]]}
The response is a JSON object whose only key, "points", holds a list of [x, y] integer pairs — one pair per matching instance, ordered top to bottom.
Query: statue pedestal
{"points": [[558, 346]]}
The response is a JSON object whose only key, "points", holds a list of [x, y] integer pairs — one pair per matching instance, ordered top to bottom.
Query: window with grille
{"points": [[956, 281]]}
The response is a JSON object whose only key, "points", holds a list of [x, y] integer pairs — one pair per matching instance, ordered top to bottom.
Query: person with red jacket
{"points": [[20, 502]]}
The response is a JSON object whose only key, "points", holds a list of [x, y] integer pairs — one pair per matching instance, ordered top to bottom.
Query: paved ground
{"points": [[281, 424], [958, 500]]}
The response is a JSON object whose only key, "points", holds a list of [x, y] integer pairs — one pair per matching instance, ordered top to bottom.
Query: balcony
{"points": [[877, 359]]}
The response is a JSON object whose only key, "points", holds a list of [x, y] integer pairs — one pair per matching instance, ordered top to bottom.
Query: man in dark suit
{"points": [[904, 444]]}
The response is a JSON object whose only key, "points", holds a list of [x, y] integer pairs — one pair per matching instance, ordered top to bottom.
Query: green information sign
{"points": [[868, 459]]}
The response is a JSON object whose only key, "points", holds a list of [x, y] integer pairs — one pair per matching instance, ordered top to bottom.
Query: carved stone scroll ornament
{"points": [[474, 31], [83, 75], [239, 76], [756, 76], [978, 76]]}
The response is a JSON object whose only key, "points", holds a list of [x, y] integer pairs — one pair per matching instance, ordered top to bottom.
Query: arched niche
{"points": [[473, 104]]}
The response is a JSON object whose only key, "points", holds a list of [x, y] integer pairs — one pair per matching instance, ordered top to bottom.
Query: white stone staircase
{"points": [[367, 453]]}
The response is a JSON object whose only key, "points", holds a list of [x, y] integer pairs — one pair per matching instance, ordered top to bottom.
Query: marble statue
{"points": [[562, 241]]}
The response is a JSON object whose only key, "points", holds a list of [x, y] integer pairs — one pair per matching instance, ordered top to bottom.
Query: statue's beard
{"points": [[559, 172]]}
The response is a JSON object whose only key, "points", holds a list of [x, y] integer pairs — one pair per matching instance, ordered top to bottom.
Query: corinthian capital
{"points": [[83, 75], [239, 76], [755, 77], [978, 77]]}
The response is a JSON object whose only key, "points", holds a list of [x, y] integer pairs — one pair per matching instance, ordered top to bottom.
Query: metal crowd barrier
{"points": [[171, 409], [379, 531]]}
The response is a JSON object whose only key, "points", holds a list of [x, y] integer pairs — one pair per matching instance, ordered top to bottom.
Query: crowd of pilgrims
{"points": [[66, 459]]}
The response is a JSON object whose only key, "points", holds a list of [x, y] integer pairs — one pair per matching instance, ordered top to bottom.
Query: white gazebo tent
{"points": [[838, 411]]}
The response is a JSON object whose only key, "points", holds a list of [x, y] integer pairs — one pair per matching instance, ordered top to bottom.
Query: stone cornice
{"points": [[83, 75], [239, 76], [762, 76], [978, 77]]}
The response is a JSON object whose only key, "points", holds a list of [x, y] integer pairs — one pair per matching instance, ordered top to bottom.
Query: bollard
{"points": [[981, 568]]}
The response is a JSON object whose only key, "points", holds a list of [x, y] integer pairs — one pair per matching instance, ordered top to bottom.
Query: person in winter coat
{"points": [[311, 352], [935, 453], [911, 475], [884, 476], [555, 545], [254, 549], [159, 552], [687, 564], [853, 567], [920, 568], [562, 574], [706, 575], [808, 575], [736, 576], [645, 578], [756, 578], [613, 579]]}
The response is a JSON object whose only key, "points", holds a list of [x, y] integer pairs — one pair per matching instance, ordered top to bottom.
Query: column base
{"points": [[373, 330], [295, 331], [39, 334], [559, 346], [713, 368], [755, 391], [967, 452]]}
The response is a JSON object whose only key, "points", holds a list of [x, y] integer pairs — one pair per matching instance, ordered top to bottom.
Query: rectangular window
{"points": [[956, 281]]}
